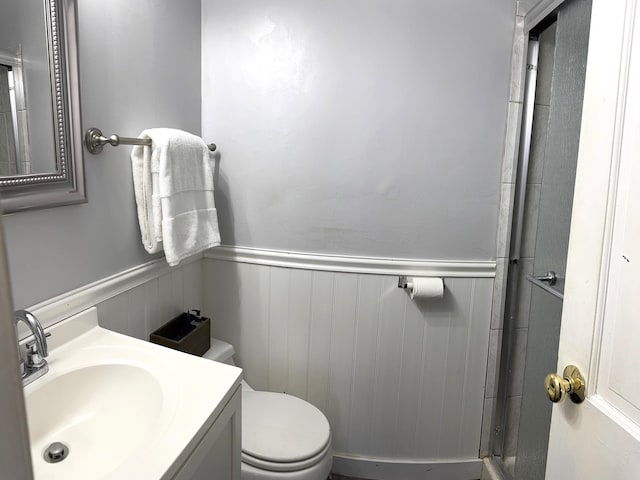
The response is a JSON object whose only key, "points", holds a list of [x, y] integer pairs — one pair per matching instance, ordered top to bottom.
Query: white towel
{"points": [[173, 184]]}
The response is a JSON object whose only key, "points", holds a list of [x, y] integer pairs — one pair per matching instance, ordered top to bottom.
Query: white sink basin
{"points": [[73, 406], [125, 408]]}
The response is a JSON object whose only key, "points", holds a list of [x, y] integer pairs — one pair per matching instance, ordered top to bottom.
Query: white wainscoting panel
{"points": [[134, 302], [139, 311], [396, 378]]}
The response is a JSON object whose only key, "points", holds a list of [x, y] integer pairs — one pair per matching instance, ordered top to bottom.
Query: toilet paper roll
{"points": [[420, 288]]}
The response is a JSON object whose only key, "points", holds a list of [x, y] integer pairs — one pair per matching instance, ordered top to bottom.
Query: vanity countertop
{"points": [[125, 408]]}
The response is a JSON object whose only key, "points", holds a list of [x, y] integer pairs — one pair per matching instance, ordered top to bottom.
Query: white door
{"points": [[600, 438]]}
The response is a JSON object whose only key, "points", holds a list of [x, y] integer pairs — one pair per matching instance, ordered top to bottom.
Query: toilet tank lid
{"points": [[220, 351]]}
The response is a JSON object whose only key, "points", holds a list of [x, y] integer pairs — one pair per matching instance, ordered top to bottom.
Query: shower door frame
{"points": [[537, 19], [497, 446]]}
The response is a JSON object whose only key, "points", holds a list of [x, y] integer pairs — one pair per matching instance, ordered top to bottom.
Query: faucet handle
{"points": [[33, 344], [34, 357]]}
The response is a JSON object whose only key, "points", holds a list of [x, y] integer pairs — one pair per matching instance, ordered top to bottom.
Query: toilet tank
{"points": [[220, 351]]}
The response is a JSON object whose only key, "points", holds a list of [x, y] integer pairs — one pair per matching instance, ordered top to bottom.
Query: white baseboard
{"points": [[352, 264], [383, 469]]}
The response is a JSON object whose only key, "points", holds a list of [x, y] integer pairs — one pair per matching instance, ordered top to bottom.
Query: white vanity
{"points": [[125, 408]]}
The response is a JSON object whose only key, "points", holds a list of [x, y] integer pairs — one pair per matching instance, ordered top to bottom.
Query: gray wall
{"points": [[527, 5], [148, 75], [344, 127], [366, 127]]}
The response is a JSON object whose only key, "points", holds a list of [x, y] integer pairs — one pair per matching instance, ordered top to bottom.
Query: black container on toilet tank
{"points": [[189, 332]]}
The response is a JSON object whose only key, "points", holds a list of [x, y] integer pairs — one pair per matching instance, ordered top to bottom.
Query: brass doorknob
{"points": [[571, 382]]}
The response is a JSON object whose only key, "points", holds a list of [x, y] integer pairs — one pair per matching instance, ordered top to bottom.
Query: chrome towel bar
{"points": [[95, 141], [550, 277], [544, 282]]}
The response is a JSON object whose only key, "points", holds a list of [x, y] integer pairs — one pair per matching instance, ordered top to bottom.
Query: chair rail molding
{"points": [[354, 264], [58, 308]]}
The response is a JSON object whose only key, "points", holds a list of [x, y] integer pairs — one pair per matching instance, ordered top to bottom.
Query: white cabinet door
{"points": [[600, 438]]}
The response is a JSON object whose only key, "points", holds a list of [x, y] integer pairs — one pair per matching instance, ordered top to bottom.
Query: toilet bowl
{"points": [[283, 437]]}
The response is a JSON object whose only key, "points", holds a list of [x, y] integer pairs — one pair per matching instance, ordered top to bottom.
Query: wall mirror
{"points": [[41, 157]]}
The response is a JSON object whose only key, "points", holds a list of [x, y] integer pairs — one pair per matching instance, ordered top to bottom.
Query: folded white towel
{"points": [[173, 184]]}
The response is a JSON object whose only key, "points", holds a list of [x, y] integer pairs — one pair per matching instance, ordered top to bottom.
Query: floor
{"points": [[335, 476]]}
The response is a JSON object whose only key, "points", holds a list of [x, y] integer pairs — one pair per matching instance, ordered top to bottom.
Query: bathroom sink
{"points": [[72, 406], [124, 408]]}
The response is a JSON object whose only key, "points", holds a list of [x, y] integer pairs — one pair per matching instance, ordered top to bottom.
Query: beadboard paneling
{"points": [[177, 288], [139, 311], [396, 378]]}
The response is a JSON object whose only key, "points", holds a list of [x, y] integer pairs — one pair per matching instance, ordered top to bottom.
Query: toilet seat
{"points": [[282, 433], [288, 466]]}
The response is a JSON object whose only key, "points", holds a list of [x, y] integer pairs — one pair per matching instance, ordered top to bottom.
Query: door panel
{"points": [[618, 381], [600, 438]]}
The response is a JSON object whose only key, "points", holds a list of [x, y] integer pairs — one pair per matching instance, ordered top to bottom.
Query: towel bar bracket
{"points": [[95, 141]]}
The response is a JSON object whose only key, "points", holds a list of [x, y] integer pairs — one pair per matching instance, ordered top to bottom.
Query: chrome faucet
{"points": [[32, 365]]}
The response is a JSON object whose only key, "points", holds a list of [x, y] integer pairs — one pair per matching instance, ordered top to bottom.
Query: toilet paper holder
{"points": [[405, 282], [422, 288]]}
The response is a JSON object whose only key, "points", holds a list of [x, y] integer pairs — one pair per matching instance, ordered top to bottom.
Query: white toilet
{"points": [[283, 437]]}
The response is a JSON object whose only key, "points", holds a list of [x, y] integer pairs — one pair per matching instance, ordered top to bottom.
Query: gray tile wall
{"points": [[509, 162], [528, 246]]}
